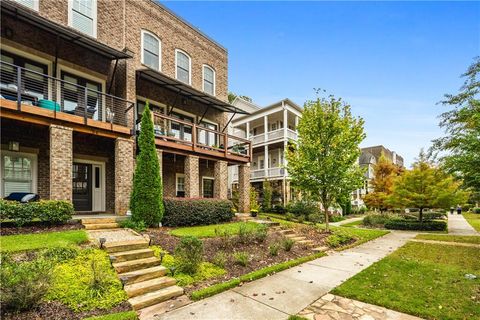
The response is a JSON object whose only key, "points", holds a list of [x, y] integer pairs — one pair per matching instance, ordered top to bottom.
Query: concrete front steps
{"points": [[100, 223], [289, 233], [141, 273]]}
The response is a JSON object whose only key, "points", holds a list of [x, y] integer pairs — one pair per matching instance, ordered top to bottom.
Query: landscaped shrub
{"points": [[147, 194], [267, 196], [254, 206], [303, 207], [278, 208], [476, 210], [52, 211], [192, 212], [430, 215], [289, 216], [301, 218], [316, 218], [336, 218], [376, 220], [416, 225], [138, 226], [260, 233], [245, 234], [225, 236], [339, 239], [287, 244], [273, 249], [60, 254], [189, 255], [241, 258], [220, 259], [76, 282], [23, 284]]}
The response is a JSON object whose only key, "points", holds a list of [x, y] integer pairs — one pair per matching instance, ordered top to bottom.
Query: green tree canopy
{"points": [[462, 126], [324, 161], [426, 186], [146, 200]]}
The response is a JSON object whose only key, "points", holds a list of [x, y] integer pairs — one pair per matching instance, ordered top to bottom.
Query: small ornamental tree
{"points": [[324, 161], [384, 175], [426, 187], [267, 196], [146, 200]]}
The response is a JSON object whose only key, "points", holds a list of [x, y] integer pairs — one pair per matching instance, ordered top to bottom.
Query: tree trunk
{"points": [[420, 215]]}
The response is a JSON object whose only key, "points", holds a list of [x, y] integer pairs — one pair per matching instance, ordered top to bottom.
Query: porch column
{"points": [[285, 122], [296, 122], [265, 125], [247, 128], [61, 161], [160, 161], [265, 166], [124, 168], [220, 173], [244, 188], [192, 189], [287, 192]]}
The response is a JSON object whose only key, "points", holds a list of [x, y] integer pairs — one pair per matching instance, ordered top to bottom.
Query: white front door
{"points": [[98, 198]]}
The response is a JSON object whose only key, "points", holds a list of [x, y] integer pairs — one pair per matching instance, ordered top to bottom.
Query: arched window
{"points": [[151, 50], [183, 66], [208, 80]]}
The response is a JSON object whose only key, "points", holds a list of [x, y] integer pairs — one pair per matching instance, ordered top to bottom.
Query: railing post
{"points": [[19, 88], [85, 106], [194, 136], [225, 144]]}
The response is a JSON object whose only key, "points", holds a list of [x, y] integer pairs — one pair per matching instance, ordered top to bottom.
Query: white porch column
{"points": [[285, 121], [296, 122], [265, 125], [247, 134], [265, 167]]}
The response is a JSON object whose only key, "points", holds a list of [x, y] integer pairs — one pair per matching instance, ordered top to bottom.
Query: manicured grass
{"points": [[473, 219], [353, 224], [209, 231], [362, 235], [449, 238], [24, 242], [254, 275], [427, 280], [127, 315], [295, 317]]}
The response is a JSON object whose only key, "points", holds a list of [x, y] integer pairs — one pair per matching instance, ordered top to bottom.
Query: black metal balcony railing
{"points": [[28, 87], [188, 135]]}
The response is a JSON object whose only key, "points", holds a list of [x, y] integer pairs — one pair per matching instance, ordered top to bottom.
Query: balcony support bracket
{"points": [[113, 76], [203, 115], [231, 118]]}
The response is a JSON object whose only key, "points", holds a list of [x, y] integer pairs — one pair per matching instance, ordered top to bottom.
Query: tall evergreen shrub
{"points": [[146, 201]]}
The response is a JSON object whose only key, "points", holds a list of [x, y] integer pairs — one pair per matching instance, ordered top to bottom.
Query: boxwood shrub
{"points": [[52, 211], [192, 212], [416, 225]]}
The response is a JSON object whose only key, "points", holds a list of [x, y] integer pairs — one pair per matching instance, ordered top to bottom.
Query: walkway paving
{"points": [[339, 223], [458, 225], [290, 291], [332, 307]]}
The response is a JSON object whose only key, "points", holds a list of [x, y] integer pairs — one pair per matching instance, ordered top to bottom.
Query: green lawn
{"points": [[473, 219], [353, 224], [209, 231], [362, 235], [449, 238], [24, 242], [427, 280], [128, 315]]}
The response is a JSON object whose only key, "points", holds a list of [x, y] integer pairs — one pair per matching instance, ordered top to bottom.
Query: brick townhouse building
{"points": [[75, 76]]}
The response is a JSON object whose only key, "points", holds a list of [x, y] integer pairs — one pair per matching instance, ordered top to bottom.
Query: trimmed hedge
{"points": [[476, 210], [53, 211], [193, 212], [416, 225]]}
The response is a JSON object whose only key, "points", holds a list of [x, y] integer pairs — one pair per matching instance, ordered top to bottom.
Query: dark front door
{"points": [[82, 186]]}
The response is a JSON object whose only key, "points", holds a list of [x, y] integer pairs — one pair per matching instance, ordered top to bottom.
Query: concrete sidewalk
{"points": [[339, 223], [458, 225], [290, 291]]}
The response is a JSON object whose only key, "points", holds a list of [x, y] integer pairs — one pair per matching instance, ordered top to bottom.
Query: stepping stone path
{"points": [[290, 233], [143, 277], [332, 307]]}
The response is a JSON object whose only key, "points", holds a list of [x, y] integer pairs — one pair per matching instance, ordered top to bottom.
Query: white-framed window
{"points": [[32, 4], [82, 16], [151, 50], [183, 66], [208, 80], [18, 172], [180, 185], [207, 187]]}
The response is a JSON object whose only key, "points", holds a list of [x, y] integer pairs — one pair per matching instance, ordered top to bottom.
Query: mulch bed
{"points": [[39, 227], [258, 251], [58, 311]]}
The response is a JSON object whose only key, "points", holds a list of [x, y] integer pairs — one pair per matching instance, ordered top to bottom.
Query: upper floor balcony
{"points": [[39, 97], [272, 124]]}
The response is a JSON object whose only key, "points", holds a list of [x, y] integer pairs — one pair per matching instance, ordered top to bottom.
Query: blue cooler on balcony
{"points": [[48, 104]]}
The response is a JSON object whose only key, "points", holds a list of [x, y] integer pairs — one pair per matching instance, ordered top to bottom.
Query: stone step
{"points": [[98, 220], [267, 223], [96, 226], [286, 231], [291, 235], [298, 238], [306, 243], [119, 246], [320, 249], [131, 255], [132, 265], [142, 274], [147, 286], [155, 297], [155, 310]]}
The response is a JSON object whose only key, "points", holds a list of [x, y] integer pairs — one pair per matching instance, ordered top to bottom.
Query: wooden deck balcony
{"points": [[34, 97], [190, 138]]}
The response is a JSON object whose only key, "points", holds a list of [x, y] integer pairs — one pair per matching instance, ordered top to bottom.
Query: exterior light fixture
{"points": [[102, 241], [162, 254]]}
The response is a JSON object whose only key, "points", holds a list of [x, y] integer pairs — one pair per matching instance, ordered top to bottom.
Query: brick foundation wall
{"points": [[61, 158], [124, 168], [192, 188], [220, 188], [244, 188]]}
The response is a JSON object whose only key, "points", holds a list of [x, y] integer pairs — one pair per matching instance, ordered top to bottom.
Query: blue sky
{"points": [[392, 61]]}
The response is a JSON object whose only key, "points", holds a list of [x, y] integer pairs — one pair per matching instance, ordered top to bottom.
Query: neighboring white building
{"points": [[269, 129]]}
